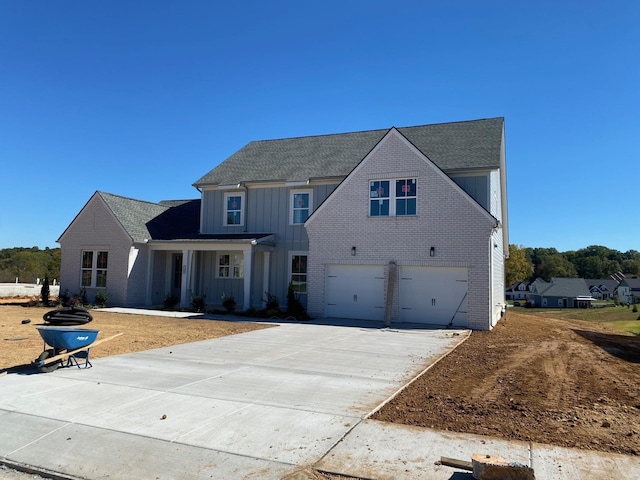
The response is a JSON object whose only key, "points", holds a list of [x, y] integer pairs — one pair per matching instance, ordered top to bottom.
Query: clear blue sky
{"points": [[142, 98]]}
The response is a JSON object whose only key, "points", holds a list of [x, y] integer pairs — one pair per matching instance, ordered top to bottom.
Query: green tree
{"points": [[556, 265], [517, 267]]}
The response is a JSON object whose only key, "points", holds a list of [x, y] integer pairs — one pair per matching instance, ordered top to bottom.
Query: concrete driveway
{"points": [[264, 404], [267, 404]]}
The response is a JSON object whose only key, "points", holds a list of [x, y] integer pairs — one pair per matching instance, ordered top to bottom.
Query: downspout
{"points": [[246, 204]]}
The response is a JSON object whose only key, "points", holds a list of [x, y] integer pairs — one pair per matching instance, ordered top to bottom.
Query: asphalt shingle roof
{"points": [[474, 144], [133, 214], [565, 287]]}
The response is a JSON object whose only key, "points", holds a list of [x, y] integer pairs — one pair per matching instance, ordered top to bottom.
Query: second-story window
{"points": [[392, 198], [300, 206], [233, 209]]}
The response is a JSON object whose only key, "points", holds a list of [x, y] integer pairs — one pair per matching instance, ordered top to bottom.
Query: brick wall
{"points": [[447, 219]]}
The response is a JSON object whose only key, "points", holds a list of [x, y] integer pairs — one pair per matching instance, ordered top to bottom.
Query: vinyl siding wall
{"points": [[267, 210]]}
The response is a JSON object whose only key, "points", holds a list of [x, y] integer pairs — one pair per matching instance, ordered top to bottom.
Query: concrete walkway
{"points": [[265, 404]]}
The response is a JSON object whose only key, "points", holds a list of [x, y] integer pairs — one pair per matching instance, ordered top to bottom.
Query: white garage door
{"points": [[355, 291], [434, 295]]}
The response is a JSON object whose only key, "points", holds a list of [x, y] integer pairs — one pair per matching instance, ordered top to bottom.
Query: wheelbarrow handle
{"points": [[65, 355]]}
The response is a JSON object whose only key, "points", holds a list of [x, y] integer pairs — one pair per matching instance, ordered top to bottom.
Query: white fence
{"points": [[26, 290]]}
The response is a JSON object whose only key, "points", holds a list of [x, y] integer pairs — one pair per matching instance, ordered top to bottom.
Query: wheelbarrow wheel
{"points": [[50, 367]]}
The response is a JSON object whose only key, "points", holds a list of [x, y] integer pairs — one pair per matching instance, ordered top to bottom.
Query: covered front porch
{"points": [[235, 265]]}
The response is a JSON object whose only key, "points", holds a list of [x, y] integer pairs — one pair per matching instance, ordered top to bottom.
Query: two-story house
{"points": [[398, 225], [629, 290]]}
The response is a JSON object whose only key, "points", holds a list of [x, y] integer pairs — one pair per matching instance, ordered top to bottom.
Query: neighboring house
{"points": [[398, 225], [603, 288], [518, 291], [629, 291], [561, 293]]}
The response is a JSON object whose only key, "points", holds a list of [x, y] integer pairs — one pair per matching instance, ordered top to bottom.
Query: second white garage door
{"points": [[355, 291], [434, 295]]}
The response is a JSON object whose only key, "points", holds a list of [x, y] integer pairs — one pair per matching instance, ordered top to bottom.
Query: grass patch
{"points": [[622, 319]]}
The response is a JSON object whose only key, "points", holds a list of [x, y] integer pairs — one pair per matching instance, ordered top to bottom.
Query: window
{"points": [[397, 202], [300, 206], [233, 209], [230, 265], [94, 268], [299, 273]]}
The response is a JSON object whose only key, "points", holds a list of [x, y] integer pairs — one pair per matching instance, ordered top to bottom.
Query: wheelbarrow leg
{"points": [[73, 359]]}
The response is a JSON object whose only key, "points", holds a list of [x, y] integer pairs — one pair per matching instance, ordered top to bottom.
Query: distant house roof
{"points": [[467, 145], [608, 283], [633, 283], [564, 287]]}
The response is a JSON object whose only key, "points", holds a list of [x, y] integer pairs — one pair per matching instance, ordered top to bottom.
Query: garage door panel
{"points": [[355, 291], [434, 295]]}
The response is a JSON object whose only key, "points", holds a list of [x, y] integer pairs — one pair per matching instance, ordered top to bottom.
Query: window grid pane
{"points": [[300, 207], [234, 209], [299, 273], [86, 278]]}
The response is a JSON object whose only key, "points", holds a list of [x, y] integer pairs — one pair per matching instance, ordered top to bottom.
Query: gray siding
{"points": [[477, 186], [267, 210]]}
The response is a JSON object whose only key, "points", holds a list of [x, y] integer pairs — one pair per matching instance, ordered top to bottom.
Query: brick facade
{"points": [[447, 219]]}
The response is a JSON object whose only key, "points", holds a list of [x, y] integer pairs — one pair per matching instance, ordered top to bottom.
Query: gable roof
{"points": [[474, 144], [609, 284]]}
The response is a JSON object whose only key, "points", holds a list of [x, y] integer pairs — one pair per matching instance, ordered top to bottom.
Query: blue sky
{"points": [[142, 98]]}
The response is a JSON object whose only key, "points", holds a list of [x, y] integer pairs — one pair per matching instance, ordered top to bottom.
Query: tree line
{"points": [[595, 261], [29, 264]]}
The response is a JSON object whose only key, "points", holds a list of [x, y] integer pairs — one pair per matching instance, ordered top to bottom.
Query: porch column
{"points": [[247, 252], [150, 260], [187, 264], [265, 271]]}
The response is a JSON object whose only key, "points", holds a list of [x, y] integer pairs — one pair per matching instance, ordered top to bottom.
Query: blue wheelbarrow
{"points": [[68, 346]]}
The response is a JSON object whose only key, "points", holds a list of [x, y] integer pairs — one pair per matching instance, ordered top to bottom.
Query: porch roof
{"points": [[254, 238]]}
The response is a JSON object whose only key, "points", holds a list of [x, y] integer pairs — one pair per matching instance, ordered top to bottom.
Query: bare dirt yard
{"points": [[21, 343], [535, 377]]}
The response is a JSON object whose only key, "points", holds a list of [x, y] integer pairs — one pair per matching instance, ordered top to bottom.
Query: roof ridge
{"points": [[372, 130], [102, 193]]}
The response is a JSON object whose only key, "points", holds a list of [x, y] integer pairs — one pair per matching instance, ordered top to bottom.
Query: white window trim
{"points": [[392, 196], [292, 206], [225, 211], [291, 255], [231, 265], [94, 267]]}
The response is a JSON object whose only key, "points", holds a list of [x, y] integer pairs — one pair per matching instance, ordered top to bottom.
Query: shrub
{"points": [[44, 291], [82, 296], [64, 298], [101, 298], [170, 301], [198, 302], [272, 302], [229, 303], [294, 306], [635, 309], [250, 312], [274, 312]]}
